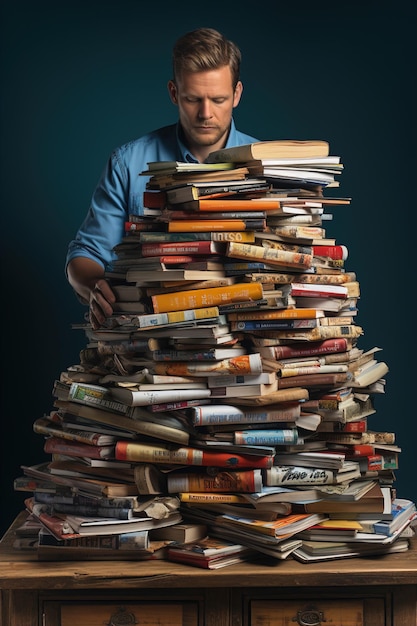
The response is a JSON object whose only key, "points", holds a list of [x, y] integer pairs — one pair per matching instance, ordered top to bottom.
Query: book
{"points": [[274, 149], [156, 167], [165, 180], [194, 191], [196, 225], [246, 236], [176, 248], [273, 256], [147, 274], [199, 298], [270, 314], [152, 320], [273, 324], [319, 333], [319, 347], [209, 354], [244, 364], [230, 380], [243, 390], [154, 396], [214, 414], [145, 424], [48, 427], [267, 436], [61, 445], [152, 453], [293, 475], [230, 481], [92, 486], [371, 502], [402, 510], [108, 526], [283, 527], [179, 533], [315, 551], [209, 553]]}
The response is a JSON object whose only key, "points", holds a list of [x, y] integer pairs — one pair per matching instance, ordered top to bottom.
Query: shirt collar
{"points": [[187, 156]]}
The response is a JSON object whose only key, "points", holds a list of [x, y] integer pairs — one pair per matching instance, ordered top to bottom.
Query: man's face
{"points": [[205, 102]]}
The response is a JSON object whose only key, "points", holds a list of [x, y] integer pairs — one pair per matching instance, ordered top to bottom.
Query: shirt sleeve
{"points": [[103, 226]]}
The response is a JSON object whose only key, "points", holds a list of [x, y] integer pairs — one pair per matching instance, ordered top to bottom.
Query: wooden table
{"points": [[377, 591]]}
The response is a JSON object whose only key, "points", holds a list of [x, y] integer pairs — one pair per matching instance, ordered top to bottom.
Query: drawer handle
{"points": [[309, 616], [122, 618]]}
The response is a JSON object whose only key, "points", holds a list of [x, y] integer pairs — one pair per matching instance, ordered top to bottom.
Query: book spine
{"points": [[154, 199], [226, 204], [215, 225], [133, 227], [164, 237], [175, 248], [334, 252], [270, 255], [327, 279], [319, 291], [200, 298], [271, 314], [173, 317], [277, 324], [321, 332], [336, 344], [186, 355], [244, 364], [313, 380], [94, 396], [145, 398], [228, 414], [45, 427], [266, 437], [56, 445], [129, 451], [287, 476], [221, 482], [207, 498], [92, 511]]}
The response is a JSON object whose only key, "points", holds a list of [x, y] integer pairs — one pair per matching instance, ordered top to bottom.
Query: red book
{"points": [[154, 199], [182, 247], [334, 252], [319, 347], [360, 426], [56, 445], [153, 453]]}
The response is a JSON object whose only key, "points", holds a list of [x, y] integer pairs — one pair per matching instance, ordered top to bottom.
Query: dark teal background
{"points": [[79, 78]]}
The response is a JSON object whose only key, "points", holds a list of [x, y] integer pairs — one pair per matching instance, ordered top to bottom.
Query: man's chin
{"points": [[206, 138]]}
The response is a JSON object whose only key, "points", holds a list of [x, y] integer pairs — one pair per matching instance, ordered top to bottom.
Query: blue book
{"points": [[402, 510]]}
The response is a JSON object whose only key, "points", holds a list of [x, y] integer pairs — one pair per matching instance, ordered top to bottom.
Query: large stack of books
{"points": [[228, 393]]}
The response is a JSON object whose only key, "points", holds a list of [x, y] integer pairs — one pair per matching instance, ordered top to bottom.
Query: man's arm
{"points": [[86, 277]]}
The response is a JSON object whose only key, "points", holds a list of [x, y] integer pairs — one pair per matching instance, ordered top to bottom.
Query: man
{"points": [[205, 87]]}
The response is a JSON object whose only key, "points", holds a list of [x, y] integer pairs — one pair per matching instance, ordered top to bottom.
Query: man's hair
{"points": [[205, 49]]}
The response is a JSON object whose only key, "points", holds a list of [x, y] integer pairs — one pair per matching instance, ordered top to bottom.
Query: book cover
{"points": [[272, 149], [272, 256], [199, 298], [152, 453], [230, 481]]}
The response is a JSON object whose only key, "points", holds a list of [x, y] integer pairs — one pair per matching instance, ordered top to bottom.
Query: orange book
{"points": [[245, 204], [208, 226], [198, 298], [272, 314]]}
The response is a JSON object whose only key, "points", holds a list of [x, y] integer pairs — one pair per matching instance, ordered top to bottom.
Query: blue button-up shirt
{"points": [[119, 192]]}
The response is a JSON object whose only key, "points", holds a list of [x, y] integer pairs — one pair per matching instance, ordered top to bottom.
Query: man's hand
{"points": [[87, 278], [101, 300]]}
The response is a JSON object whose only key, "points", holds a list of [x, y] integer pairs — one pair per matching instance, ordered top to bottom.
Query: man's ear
{"points": [[172, 90], [237, 94]]}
